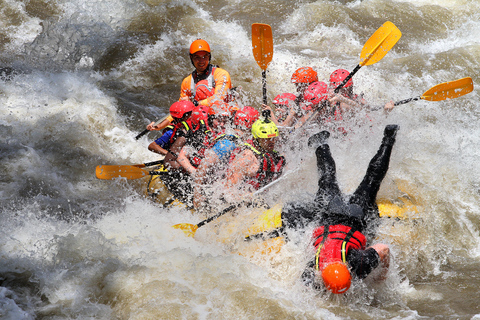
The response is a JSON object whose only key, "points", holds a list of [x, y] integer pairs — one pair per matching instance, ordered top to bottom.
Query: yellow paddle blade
{"points": [[262, 44], [379, 44], [449, 90], [105, 172], [187, 228]]}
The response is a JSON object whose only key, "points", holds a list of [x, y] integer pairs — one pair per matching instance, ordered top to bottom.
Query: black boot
{"points": [[390, 133], [318, 139]]}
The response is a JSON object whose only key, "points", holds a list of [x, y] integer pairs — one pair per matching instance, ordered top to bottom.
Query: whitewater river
{"points": [[80, 79]]}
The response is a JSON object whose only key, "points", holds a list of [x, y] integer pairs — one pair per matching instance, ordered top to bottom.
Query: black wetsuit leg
{"points": [[327, 180], [366, 193], [300, 213]]}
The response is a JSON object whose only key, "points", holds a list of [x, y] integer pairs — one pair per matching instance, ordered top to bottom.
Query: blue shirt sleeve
{"points": [[164, 140], [224, 148]]}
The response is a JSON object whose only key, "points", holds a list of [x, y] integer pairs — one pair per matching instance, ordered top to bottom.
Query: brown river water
{"points": [[80, 79]]}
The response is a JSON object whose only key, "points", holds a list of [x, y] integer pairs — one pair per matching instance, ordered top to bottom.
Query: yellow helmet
{"points": [[264, 129]]}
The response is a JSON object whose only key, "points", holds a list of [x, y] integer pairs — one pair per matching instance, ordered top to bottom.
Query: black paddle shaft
{"points": [[347, 78], [264, 82], [406, 101], [141, 134], [230, 208]]}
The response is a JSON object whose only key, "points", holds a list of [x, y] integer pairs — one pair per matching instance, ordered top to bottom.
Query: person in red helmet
{"points": [[207, 83], [346, 99], [315, 101], [181, 111], [284, 114], [207, 128], [174, 179], [343, 224]]}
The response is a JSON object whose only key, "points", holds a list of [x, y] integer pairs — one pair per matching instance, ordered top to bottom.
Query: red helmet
{"points": [[199, 45], [304, 75], [337, 77], [316, 92], [284, 99], [179, 108], [199, 113], [245, 117]]}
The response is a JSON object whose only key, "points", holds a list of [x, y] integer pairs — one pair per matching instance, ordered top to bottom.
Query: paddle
{"points": [[262, 45], [375, 48], [443, 91], [144, 132], [148, 164], [106, 172], [190, 229]]}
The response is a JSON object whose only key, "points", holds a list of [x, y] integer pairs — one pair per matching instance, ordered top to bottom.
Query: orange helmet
{"points": [[199, 45], [304, 75], [337, 77], [179, 108], [336, 277]]}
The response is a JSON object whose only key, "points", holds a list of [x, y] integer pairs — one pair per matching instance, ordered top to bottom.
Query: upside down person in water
{"points": [[340, 236]]}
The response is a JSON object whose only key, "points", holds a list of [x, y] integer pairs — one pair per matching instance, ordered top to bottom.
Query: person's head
{"points": [[200, 55], [303, 77], [336, 79], [315, 95], [282, 104], [181, 110], [199, 113], [245, 117], [218, 119], [265, 133], [336, 277]]}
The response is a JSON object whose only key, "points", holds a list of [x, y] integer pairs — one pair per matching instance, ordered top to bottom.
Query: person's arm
{"points": [[222, 85], [185, 93], [388, 107], [272, 114], [290, 118], [303, 119], [160, 126], [154, 147], [170, 160], [184, 162], [244, 165]]}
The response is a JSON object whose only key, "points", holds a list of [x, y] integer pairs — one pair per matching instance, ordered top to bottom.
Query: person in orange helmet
{"points": [[302, 78], [206, 85], [346, 99], [342, 224]]}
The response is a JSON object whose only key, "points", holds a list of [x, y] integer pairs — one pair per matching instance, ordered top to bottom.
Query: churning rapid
{"points": [[80, 79]]}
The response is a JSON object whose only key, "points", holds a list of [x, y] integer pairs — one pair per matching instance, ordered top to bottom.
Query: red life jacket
{"points": [[205, 87], [186, 125], [203, 145], [271, 167], [333, 244]]}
